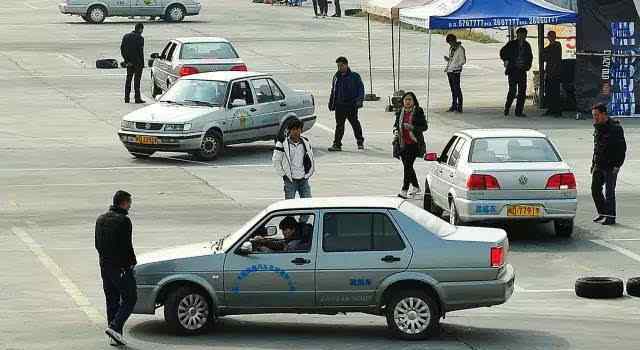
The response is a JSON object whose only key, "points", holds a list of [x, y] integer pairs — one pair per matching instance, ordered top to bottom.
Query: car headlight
{"points": [[125, 124], [177, 127]]}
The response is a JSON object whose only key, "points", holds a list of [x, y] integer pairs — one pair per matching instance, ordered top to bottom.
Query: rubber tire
{"points": [[88, 15], [168, 18], [107, 63], [155, 89], [141, 154], [207, 157], [427, 202], [454, 212], [563, 228], [599, 287], [633, 287], [171, 310], [434, 323]]}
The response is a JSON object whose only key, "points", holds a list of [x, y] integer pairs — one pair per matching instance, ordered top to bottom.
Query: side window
{"points": [[171, 51], [163, 55], [263, 90], [241, 91], [277, 93], [448, 149], [455, 155], [352, 232], [289, 233]]}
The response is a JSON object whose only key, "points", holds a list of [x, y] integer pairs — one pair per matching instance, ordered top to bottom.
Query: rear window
{"points": [[195, 51], [512, 149]]}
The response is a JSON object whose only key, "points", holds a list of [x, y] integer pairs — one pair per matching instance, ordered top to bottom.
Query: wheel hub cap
{"points": [[193, 311], [412, 315]]}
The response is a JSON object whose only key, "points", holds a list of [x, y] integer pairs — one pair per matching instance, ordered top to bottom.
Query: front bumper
{"points": [[180, 142], [496, 210], [469, 295], [146, 303]]}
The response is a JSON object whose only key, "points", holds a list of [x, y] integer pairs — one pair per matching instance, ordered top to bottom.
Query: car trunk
{"points": [[211, 65], [474, 245]]}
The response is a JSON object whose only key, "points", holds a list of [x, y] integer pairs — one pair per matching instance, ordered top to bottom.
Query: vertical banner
{"points": [[608, 60]]}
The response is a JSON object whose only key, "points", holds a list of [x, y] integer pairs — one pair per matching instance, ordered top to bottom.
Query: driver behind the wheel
{"points": [[293, 240]]}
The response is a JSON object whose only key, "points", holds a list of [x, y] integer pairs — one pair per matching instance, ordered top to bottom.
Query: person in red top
{"points": [[408, 131]]}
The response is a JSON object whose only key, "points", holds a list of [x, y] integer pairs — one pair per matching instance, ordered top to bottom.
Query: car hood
{"points": [[169, 113], [176, 253]]}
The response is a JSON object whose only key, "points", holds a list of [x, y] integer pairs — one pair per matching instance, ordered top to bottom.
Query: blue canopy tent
{"points": [[459, 14]]}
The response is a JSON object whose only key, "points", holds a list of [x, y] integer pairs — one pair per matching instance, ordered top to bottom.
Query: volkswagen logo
{"points": [[148, 126], [523, 180]]}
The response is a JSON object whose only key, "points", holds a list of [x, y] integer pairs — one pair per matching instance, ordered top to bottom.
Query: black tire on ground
{"points": [[175, 13], [96, 14], [107, 63], [211, 146], [141, 153], [427, 202], [563, 228], [599, 287], [633, 287], [188, 310], [412, 315]]}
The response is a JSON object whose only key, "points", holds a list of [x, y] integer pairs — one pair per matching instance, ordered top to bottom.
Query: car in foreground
{"points": [[96, 11], [185, 56], [202, 113], [502, 175], [378, 255]]}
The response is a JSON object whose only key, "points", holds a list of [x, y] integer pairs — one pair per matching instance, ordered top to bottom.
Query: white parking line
{"points": [[325, 128], [618, 249], [67, 284]]}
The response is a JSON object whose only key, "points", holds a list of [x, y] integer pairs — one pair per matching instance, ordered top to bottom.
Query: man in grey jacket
{"points": [[455, 61], [293, 161]]}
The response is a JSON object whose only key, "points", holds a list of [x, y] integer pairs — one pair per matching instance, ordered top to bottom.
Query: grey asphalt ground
{"points": [[61, 161]]}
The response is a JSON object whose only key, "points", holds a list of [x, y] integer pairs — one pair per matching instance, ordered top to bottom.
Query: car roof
{"points": [[201, 39], [224, 75], [498, 132], [338, 202]]}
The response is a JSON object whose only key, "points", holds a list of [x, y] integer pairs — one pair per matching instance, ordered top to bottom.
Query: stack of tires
{"points": [[606, 287]]}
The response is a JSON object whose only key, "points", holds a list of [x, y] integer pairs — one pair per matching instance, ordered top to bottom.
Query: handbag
{"points": [[396, 148]]}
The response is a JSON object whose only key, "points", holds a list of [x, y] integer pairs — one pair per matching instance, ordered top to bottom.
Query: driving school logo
{"points": [[148, 2], [282, 274]]}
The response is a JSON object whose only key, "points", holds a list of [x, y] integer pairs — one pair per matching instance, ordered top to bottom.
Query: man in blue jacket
{"points": [[347, 95]]}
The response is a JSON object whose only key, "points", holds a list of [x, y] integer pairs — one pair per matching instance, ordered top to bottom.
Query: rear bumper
{"points": [[166, 142], [496, 210], [469, 295]]}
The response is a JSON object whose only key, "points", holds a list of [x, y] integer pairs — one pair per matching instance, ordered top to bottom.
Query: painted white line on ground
{"points": [[325, 128], [98, 184], [623, 240], [618, 249], [67, 284], [542, 291]]}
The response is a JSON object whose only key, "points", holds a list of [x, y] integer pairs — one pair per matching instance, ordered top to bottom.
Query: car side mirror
{"points": [[155, 55], [239, 102], [431, 157], [271, 231], [246, 248]]}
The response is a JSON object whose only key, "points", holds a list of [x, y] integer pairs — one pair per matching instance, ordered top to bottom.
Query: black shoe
{"points": [[337, 15], [126, 100], [141, 101], [459, 110], [506, 112], [361, 147], [335, 148], [598, 218], [609, 221]]}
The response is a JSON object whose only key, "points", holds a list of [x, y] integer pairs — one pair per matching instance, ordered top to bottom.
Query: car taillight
{"points": [[239, 68], [184, 71], [566, 181], [482, 182], [497, 256]]}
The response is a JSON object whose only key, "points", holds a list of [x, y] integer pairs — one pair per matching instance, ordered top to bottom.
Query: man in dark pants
{"points": [[315, 7], [323, 7], [338, 10], [132, 50], [552, 55], [517, 57], [455, 61], [347, 95], [609, 152], [117, 260]]}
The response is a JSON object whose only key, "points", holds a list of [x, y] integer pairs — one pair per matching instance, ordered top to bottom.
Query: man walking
{"points": [[323, 7], [315, 8], [338, 9], [132, 50], [552, 55], [517, 57], [455, 61], [347, 96], [609, 152], [293, 161], [117, 260]]}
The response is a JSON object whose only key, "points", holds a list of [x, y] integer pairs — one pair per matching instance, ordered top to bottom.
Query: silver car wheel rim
{"points": [[97, 14], [175, 14], [209, 145], [193, 312], [412, 315]]}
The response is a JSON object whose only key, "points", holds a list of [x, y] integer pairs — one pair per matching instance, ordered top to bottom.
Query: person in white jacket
{"points": [[455, 61], [293, 161]]}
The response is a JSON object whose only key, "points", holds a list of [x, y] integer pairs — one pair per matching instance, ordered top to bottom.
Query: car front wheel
{"points": [[175, 13], [96, 14], [211, 146], [427, 202], [188, 310], [412, 315]]}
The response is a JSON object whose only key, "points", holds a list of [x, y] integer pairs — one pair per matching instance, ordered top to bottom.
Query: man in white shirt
{"points": [[455, 61], [293, 161]]}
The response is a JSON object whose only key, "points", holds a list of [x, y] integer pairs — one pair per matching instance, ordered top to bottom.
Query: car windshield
{"points": [[196, 51], [196, 92], [512, 149], [231, 239]]}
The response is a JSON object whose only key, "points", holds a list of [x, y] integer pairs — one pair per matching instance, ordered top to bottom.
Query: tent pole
{"points": [[399, 37], [393, 55], [428, 76], [541, 79], [370, 96]]}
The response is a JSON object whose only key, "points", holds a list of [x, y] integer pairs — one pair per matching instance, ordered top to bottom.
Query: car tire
{"points": [[175, 13], [96, 14], [107, 63], [155, 89], [211, 146], [141, 153], [427, 202], [454, 219], [563, 228], [599, 287], [633, 287], [412, 305], [188, 311]]}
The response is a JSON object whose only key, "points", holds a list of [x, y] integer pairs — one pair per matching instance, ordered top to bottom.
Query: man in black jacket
{"points": [[132, 50], [552, 55], [517, 57], [347, 96], [609, 152], [117, 260]]}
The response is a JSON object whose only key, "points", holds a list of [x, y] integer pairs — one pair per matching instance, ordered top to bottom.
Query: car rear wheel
{"points": [[175, 13], [96, 14], [155, 89], [211, 146], [428, 204], [454, 219], [564, 228], [188, 310], [412, 315]]}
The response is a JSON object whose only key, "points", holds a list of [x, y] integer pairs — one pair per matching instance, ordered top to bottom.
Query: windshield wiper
{"points": [[201, 103]]}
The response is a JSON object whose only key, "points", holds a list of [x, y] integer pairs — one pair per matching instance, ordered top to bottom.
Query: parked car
{"points": [[96, 11], [185, 56], [202, 113], [502, 175], [383, 256]]}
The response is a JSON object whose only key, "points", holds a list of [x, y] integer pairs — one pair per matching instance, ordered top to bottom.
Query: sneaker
{"points": [[126, 100], [506, 112], [360, 147], [335, 149], [414, 191], [403, 194], [598, 218], [609, 221], [115, 336], [113, 342]]}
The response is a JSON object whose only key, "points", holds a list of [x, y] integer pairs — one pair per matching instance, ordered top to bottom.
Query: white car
{"points": [[202, 113]]}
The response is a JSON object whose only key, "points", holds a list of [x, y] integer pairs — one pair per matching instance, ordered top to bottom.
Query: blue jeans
{"points": [[301, 186], [121, 293]]}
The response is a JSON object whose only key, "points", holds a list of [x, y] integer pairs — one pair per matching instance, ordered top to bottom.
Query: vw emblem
{"points": [[147, 126], [523, 180]]}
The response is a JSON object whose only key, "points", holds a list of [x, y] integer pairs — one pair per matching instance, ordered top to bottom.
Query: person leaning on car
{"points": [[132, 50]]}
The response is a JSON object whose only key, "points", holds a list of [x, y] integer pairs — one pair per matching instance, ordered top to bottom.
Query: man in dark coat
{"points": [[132, 50], [552, 55], [517, 57], [347, 96], [609, 152], [117, 260]]}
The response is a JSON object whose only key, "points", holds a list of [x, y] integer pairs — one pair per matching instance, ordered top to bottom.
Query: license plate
{"points": [[147, 140], [523, 210]]}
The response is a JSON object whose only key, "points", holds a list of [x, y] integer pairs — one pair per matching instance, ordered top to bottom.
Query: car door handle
{"points": [[283, 104], [252, 109], [390, 259], [300, 261]]}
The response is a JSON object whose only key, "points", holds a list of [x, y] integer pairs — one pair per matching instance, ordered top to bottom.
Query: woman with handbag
{"points": [[409, 142]]}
